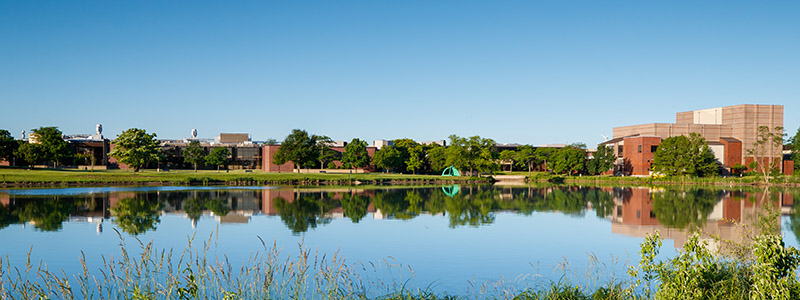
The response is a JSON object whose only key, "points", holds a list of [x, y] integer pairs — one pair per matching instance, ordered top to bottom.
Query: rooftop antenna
{"points": [[605, 137]]}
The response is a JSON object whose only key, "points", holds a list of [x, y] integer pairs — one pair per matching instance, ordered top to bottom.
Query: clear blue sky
{"points": [[516, 71]]}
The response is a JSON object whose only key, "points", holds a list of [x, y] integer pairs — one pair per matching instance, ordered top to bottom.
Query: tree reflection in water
{"points": [[195, 206], [354, 206], [682, 208], [306, 211], [46, 214], [137, 215]]}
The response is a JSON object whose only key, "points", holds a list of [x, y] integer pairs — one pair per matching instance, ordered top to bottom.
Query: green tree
{"points": [[794, 143], [8, 145], [403, 147], [136, 148], [299, 148], [56, 149], [767, 150], [31, 153], [325, 153], [456, 153], [194, 154], [355, 154], [481, 154], [509, 155], [545, 155], [681, 155], [218, 157], [436, 157], [526, 157], [387, 158], [415, 159], [569, 160], [602, 161]]}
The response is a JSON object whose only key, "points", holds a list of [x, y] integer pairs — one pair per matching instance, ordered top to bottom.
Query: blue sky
{"points": [[516, 71]]}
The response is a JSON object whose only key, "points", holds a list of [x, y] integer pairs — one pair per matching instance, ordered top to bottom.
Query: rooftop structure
{"points": [[730, 131]]}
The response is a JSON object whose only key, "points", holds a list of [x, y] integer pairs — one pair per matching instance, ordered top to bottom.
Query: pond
{"points": [[454, 239]]}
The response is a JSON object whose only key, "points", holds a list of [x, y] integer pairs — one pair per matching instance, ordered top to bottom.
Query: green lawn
{"points": [[12, 177]]}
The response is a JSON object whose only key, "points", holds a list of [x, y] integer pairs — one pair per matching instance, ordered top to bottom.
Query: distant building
{"points": [[730, 132]]}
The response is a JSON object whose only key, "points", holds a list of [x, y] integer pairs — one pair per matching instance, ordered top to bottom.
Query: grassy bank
{"points": [[10, 177], [754, 180]]}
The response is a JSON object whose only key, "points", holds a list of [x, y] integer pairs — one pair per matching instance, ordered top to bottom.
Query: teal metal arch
{"points": [[450, 171], [451, 191]]}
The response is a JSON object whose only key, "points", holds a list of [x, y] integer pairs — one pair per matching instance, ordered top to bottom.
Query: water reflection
{"points": [[631, 211]]}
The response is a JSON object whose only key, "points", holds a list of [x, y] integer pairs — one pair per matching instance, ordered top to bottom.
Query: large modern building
{"points": [[730, 131]]}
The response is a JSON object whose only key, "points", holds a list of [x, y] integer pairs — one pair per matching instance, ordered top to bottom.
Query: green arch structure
{"points": [[450, 171], [451, 191]]}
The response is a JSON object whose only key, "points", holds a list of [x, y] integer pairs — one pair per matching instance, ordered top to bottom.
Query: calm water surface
{"points": [[451, 237]]}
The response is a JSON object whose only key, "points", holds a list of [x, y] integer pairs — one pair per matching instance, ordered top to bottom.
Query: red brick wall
{"points": [[267, 152], [733, 152], [638, 163], [788, 167]]}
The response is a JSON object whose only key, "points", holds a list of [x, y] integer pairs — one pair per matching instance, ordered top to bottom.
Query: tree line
{"points": [[471, 155]]}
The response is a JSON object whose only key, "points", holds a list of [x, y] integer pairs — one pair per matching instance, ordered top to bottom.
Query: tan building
{"points": [[730, 131]]}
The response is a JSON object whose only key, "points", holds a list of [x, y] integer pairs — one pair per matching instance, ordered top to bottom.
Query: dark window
{"points": [[640, 148], [653, 148], [652, 215]]}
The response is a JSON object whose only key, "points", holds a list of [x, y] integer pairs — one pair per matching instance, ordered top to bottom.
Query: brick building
{"points": [[730, 131]]}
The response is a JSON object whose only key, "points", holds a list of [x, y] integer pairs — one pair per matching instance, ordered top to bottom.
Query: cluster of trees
{"points": [[50, 148], [196, 154], [470, 155]]}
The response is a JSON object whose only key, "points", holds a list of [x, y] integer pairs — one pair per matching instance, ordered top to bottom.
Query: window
{"points": [[640, 148], [653, 148]]}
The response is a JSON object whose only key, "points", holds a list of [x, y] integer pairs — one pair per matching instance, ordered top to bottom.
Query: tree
{"points": [[795, 143], [7, 145], [55, 148], [136, 148], [299, 148], [766, 148], [325, 152], [31, 153], [456, 153], [194, 154], [355, 154], [481, 154], [509, 155], [545, 155], [681, 155], [526, 156], [217, 157], [388, 158], [415, 158], [437, 158], [569, 160], [602, 161]]}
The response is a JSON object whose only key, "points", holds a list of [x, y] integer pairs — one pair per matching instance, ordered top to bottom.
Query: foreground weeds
{"points": [[697, 272]]}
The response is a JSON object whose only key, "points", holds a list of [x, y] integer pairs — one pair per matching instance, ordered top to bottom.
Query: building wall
{"points": [[745, 120], [740, 122], [733, 152], [267, 153], [638, 154]]}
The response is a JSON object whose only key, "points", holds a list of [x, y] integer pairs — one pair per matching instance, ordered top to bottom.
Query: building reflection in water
{"points": [[677, 213]]}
